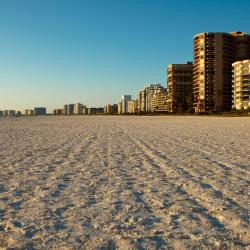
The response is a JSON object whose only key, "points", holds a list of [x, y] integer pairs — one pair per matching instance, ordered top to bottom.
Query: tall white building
{"points": [[241, 85], [152, 98]]}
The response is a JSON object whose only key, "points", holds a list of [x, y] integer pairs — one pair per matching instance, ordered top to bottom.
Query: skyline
{"points": [[56, 52]]}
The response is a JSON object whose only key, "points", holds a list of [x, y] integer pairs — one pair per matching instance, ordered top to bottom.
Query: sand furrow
{"points": [[106, 182], [217, 206]]}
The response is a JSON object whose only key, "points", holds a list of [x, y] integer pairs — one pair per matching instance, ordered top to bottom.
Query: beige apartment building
{"points": [[214, 54], [241, 85], [179, 87], [152, 98], [159, 100], [142, 101], [124, 104], [136, 105], [131, 106], [119, 108], [78, 109], [111, 109], [58, 111], [29, 112]]}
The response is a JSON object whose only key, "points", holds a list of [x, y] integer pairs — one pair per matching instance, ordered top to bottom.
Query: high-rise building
{"points": [[214, 54], [241, 85], [179, 87], [149, 91], [152, 98], [159, 100], [142, 101], [124, 106], [130, 106], [39, 111], [58, 111]]}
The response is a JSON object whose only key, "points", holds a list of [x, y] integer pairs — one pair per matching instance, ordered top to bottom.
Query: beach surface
{"points": [[124, 182]]}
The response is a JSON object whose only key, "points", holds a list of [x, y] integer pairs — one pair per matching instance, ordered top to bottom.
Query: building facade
{"points": [[214, 54], [241, 85], [179, 87], [149, 92], [152, 99], [159, 100], [142, 101], [124, 103], [131, 107], [119, 108], [78, 109], [111, 109], [39, 111], [58, 111], [95, 111], [9, 112], [29, 112]]}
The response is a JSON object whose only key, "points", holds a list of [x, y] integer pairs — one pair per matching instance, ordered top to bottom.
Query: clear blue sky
{"points": [[54, 52]]}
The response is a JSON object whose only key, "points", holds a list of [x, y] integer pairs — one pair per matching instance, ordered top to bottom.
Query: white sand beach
{"points": [[123, 182]]}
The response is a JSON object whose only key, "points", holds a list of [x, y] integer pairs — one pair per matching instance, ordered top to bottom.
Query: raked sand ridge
{"points": [[110, 182]]}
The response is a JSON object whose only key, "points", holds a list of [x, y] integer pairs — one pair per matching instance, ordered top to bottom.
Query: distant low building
{"points": [[68, 109], [78, 109], [111, 109], [85, 110], [39, 111], [58, 111], [95, 111], [11, 112], [29, 112], [1, 113]]}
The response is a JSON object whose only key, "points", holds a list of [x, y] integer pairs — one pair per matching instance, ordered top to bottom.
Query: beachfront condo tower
{"points": [[214, 54]]}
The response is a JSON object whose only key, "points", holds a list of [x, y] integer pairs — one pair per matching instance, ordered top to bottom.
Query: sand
{"points": [[105, 182]]}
